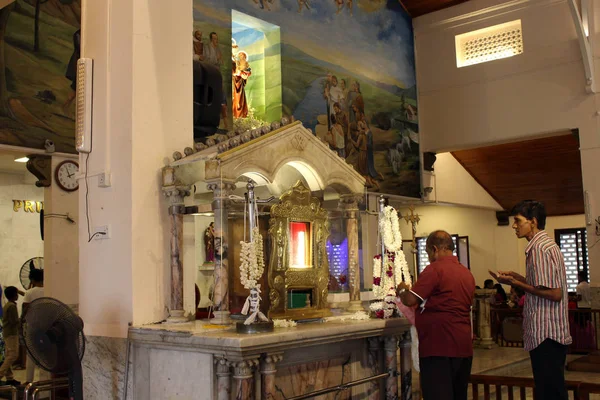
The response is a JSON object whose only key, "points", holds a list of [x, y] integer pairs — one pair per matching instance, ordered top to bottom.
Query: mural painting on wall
{"points": [[39, 48], [345, 68]]}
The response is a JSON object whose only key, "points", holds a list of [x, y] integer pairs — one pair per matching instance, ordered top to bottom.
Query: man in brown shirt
{"points": [[444, 291]]}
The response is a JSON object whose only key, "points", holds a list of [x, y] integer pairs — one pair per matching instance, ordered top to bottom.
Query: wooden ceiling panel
{"points": [[416, 8], [547, 170]]}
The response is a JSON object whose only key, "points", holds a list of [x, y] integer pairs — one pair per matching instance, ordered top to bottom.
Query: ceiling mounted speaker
{"points": [[428, 161], [502, 217]]}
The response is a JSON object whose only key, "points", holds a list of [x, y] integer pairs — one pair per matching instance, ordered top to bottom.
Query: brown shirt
{"points": [[10, 320], [444, 320]]}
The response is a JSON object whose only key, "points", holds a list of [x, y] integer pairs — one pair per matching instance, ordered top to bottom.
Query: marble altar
{"points": [[209, 359], [200, 360]]}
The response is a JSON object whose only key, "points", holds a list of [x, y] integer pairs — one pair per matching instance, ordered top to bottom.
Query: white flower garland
{"points": [[389, 226], [252, 263], [391, 268], [401, 269], [377, 286], [357, 316], [284, 323]]}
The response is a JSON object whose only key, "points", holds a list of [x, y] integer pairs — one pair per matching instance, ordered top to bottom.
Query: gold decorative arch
{"points": [[297, 205]]}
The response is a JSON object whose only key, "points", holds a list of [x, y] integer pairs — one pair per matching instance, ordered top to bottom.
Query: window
{"points": [[488, 44], [573, 244], [461, 250]]}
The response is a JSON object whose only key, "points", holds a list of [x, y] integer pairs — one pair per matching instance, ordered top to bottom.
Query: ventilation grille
{"points": [[488, 44]]}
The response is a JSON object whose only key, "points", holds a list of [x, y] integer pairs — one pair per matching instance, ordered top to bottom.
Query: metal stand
{"points": [[251, 202], [381, 209], [345, 386]]}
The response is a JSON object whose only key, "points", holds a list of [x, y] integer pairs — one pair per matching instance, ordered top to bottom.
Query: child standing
{"points": [[10, 330]]}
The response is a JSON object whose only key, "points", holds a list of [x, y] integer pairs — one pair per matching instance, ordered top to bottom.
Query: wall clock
{"points": [[66, 175]]}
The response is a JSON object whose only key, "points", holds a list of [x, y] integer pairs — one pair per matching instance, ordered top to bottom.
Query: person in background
{"points": [[36, 277], [488, 284], [445, 292], [500, 297], [517, 297], [584, 299], [573, 300], [10, 330], [546, 333]]}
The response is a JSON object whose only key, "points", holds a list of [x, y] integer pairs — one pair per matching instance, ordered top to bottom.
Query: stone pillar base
{"points": [[355, 305], [177, 317], [221, 318], [486, 343]]}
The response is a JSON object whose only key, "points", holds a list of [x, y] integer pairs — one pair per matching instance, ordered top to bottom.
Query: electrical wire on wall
{"points": [[87, 201], [63, 216]]}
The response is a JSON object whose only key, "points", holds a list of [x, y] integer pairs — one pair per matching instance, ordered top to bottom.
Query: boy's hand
{"points": [[502, 277]]}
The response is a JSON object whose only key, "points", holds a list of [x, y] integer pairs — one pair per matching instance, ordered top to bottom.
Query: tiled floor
{"points": [[484, 360]]}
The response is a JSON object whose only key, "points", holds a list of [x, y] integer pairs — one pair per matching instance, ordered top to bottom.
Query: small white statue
{"points": [[252, 304]]}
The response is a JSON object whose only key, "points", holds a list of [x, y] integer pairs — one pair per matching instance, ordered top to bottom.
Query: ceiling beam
{"points": [[401, 3], [582, 29]]}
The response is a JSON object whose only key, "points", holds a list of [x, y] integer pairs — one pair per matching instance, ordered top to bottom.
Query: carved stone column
{"points": [[175, 194], [349, 204], [220, 205], [482, 297], [391, 365], [406, 366], [374, 367], [268, 371], [243, 377], [223, 379]]}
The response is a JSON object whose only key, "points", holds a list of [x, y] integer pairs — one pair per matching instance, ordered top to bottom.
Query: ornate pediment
{"points": [[265, 153]]}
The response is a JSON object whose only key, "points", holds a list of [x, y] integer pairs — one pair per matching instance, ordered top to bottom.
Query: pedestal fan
{"points": [[27, 267], [53, 336]]}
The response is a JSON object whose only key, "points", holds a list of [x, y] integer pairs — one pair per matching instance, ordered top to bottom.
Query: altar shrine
{"points": [[310, 351]]}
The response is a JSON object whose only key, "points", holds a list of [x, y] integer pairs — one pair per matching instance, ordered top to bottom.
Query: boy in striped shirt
{"points": [[545, 313]]}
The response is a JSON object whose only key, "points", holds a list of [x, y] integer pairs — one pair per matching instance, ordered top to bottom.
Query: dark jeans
{"points": [[548, 365], [445, 378]]}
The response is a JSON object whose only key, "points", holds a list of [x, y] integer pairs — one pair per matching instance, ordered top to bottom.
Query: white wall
{"points": [[540, 91], [142, 114], [454, 185], [478, 224], [20, 237], [491, 247], [61, 248]]}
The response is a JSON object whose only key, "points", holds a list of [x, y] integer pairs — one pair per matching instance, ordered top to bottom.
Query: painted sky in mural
{"points": [[376, 44], [356, 53]]}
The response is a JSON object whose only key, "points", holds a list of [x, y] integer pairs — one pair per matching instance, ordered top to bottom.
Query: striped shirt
{"points": [[545, 319]]}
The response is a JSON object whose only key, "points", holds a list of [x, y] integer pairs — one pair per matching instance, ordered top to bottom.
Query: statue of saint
{"points": [[241, 73], [209, 243]]}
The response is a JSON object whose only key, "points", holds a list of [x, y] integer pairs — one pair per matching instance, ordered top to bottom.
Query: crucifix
{"points": [[413, 219]]}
